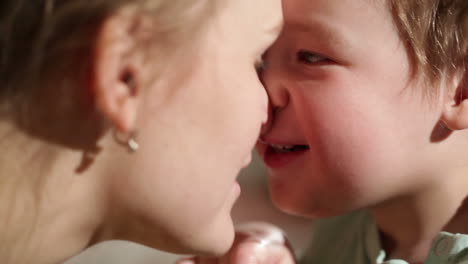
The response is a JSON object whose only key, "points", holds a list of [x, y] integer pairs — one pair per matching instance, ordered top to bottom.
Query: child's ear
{"points": [[116, 71], [455, 114]]}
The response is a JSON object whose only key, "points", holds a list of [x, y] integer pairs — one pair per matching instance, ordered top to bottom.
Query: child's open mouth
{"points": [[287, 149], [278, 156]]}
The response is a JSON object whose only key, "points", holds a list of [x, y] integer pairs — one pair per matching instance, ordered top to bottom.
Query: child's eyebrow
{"points": [[332, 34]]}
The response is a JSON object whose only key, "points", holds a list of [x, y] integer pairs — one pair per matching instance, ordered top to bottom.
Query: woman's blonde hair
{"points": [[436, 35], [42, 40], [45, 49]]}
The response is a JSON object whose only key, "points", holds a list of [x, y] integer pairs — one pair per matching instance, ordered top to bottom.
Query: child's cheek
{"points": [[347, 131]]}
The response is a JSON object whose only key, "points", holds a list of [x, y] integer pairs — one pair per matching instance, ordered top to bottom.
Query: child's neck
{"points": [[458, 223], [408, 225]]}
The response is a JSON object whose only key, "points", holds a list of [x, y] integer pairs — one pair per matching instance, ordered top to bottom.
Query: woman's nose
{"points": [[266, 126]]}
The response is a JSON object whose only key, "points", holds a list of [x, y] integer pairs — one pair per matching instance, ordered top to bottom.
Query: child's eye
{"points": [[308, 57]]}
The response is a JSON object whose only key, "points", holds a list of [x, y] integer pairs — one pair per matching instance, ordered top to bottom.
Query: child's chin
{"points": [[292, 208], [310, 214]]}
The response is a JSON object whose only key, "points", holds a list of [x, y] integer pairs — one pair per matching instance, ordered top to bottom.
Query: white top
{"points": [[354, 239]]}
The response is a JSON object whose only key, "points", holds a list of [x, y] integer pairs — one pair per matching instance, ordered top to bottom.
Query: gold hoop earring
{"points": [[129, 141]]}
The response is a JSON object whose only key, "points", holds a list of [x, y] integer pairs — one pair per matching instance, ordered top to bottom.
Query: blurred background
{"points": [[253, 205]]}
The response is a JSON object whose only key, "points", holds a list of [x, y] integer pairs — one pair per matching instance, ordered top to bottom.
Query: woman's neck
{"points": [[48, 212], [408, 225]]}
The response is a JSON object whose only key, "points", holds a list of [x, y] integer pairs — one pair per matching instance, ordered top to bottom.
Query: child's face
{"points": [[339, 82]]}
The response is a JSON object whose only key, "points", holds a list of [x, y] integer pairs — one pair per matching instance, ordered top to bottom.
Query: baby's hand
{"points": [[255, 243]]}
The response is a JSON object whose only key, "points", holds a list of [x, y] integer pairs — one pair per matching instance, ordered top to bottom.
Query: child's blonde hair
{"points": [[436, 34], [42, 40]]}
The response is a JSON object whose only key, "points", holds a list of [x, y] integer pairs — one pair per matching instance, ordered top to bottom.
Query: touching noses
{"points": [[278, 95]]}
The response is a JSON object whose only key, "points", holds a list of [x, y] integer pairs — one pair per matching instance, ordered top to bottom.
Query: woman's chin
{"points": [[215, 240], [220, 241]]}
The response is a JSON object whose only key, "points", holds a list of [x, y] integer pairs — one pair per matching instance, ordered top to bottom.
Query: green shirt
{"points": [[354, 239]]}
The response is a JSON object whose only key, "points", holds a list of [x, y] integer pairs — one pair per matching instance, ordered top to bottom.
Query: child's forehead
{"points": [[304, 10], [336, 20]]}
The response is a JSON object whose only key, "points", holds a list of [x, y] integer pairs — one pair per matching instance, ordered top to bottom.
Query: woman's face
{"points": [[197, 131]]}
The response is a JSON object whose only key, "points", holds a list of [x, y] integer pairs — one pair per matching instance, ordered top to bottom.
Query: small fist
{"points": [[255, 243]]}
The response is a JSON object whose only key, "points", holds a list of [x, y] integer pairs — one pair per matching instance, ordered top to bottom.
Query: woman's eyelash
{"points": [[309, 57]]}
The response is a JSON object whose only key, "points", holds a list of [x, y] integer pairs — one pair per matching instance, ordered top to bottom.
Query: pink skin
{"points": [[343, 87], [357, 112], [197, 116], [198, 125]]}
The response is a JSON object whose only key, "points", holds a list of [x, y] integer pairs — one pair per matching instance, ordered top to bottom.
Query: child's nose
{"points": [[272, 79]]}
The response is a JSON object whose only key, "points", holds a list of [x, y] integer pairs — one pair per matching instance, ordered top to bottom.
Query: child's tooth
{"points": [[280, 147]]}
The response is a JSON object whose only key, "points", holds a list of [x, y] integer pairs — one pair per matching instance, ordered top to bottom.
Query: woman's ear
{"points": [[116, 71], [455, 113]]}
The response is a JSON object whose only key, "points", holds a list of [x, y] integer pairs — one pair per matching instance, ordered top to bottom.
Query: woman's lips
{"points": [[247, 160], [236, 189]]}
